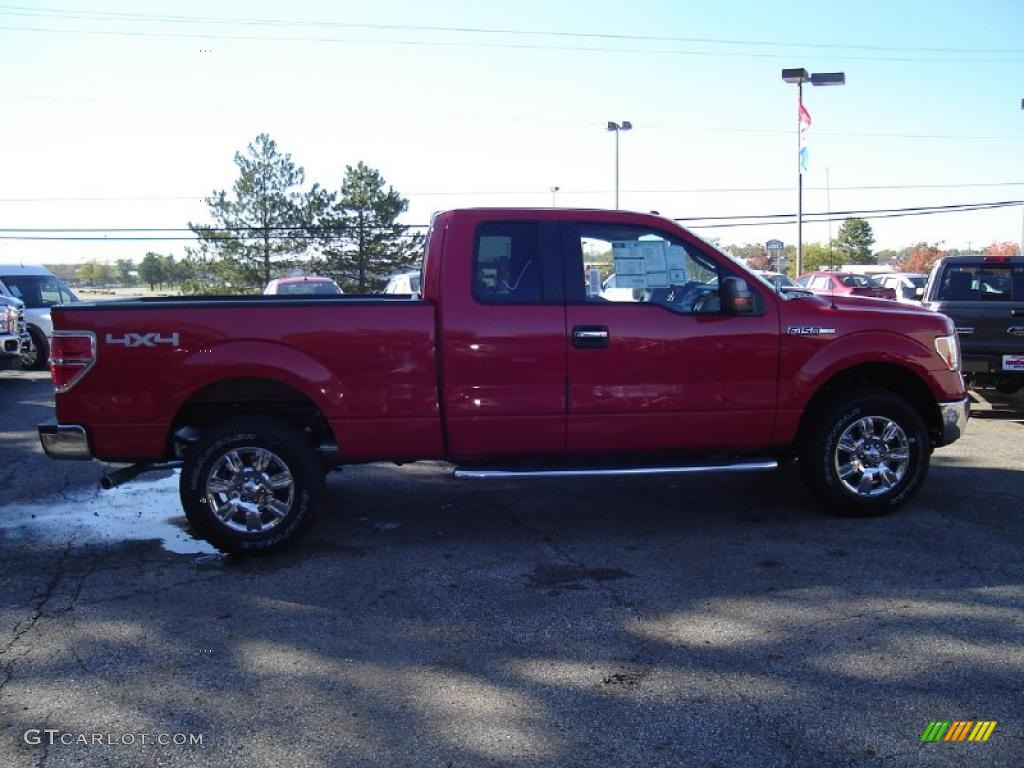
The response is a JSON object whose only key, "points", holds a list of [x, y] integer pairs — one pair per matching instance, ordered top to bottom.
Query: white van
{"points": [[404, 282], [40, 289]]}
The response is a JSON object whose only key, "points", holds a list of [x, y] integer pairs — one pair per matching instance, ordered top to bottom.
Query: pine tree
{"points": [[261, 223], [360, 238], [853, 242]]}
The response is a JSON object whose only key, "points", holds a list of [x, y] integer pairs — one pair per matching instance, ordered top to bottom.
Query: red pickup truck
{"points": [[515, 361]]}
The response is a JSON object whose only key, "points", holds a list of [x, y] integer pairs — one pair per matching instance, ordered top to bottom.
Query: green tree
{"points": [[261, 223], [360, 238], [853, 242], [818, 256], [151, 270], [124, 271], [172, 271], [87, 272], [104, 273]]}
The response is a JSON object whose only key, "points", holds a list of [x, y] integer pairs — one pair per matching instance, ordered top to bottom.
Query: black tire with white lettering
{"points": [[864, 452], [251, 486]]}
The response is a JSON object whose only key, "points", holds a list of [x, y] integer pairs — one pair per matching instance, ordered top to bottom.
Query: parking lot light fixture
{"points": [[798, 76], [617, 128]]}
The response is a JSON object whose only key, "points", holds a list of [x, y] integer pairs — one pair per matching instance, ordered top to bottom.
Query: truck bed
{"points": [[367, 363]]}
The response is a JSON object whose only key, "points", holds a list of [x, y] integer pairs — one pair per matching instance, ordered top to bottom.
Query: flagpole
{"points": [[799, 181]]}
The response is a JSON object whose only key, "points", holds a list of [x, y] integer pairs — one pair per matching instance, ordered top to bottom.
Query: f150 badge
{"points": [[809, 330], [143, 339]]}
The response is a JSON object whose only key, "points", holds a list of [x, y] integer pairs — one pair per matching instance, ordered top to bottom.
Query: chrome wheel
{"points": [[30, 358], [872, 456], [250, 490]]}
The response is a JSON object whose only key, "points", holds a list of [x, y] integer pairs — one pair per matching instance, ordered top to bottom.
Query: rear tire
{"points": [[865, 452], [251, 486]]}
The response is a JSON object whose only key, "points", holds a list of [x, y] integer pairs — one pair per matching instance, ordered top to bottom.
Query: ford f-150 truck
{"points": [[509, 363]]}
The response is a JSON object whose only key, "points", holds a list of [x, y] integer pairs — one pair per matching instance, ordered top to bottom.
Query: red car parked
{"points": [[845, 284], [510, 362]]}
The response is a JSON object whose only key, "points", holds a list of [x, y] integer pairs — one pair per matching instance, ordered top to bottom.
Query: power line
{"points": [[177, 19], [507, 46], [292, 109], [564, 190], [936, 208], [871, 217], [302, 233]]}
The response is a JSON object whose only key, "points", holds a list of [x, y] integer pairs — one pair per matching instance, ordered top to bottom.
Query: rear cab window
{"points": [[516, 262], [981, 282]]}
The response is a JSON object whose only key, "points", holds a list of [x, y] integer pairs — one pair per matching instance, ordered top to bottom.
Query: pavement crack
{"points": [[37, 613], [21, 629]]}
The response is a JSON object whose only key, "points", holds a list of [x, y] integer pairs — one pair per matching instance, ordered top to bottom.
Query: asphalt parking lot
{"points": [[644, 622]]}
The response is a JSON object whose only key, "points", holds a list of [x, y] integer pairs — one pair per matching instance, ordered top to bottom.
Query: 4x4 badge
{"points": [[143, 339]]}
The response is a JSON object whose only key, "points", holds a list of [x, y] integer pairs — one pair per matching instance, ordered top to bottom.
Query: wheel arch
{"points": [[891, 377], [261, 396]]}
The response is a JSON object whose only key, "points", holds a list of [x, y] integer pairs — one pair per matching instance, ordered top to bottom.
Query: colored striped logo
{"points": [[959, 730]]}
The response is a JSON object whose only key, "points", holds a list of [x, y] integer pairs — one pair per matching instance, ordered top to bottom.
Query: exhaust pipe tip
{"points": [[106, 483]]}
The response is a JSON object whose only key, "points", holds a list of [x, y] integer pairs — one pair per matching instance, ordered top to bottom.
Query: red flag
{"points": [[804, 117]]}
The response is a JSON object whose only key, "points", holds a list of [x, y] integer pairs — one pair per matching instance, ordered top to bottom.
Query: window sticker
{"points": [[640, 263]]}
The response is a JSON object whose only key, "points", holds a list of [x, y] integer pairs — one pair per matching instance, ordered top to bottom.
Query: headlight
{"points": [[11, 319], [948, 348]]}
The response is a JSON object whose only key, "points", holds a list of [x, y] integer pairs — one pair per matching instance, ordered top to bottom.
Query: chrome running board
{"points": [[497, 473]]}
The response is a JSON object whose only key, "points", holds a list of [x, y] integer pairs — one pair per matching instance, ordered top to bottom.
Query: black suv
{"points": [[985, 297]]}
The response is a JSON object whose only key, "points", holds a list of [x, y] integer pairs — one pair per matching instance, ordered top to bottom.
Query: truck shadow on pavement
{"points": [[428, 622]]}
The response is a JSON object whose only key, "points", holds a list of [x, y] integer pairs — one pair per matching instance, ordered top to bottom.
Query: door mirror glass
{"points": [[737, 298]]}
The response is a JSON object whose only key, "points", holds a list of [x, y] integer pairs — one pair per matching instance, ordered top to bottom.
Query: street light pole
{"points": [[799, 76], [625, 125], [799, 182], [554, 190]]}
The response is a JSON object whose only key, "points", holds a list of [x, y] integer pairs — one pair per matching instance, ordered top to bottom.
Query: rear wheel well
{"points": [[887, 376], [231, 398]]}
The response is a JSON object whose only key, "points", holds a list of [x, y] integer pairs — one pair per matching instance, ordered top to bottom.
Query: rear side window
{"points": [[507, 262], [982, 282]]}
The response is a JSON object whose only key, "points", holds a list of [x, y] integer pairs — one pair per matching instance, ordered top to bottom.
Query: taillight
{"points": [[997, 259], [72, 354]]}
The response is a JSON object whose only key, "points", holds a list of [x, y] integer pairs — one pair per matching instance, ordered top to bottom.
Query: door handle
{"points": [[1017, 312], [590, 336]]}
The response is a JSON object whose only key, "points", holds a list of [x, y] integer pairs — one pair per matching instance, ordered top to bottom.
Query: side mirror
{"points": [[737, 298]]}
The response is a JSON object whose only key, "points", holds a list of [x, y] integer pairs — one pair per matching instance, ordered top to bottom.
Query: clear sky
{"points": [[143, 105]]}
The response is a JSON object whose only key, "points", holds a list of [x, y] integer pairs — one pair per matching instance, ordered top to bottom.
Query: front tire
{"points": [[39, 358], [865, 452], [251, 486]]}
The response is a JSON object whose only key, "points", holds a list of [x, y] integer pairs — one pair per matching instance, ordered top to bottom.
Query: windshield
{"points": [[310, 288], [38, 290]]}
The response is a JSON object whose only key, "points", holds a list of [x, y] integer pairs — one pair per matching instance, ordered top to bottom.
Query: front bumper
{"points": [[12, 348], [954, 420], [65, 441]]}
